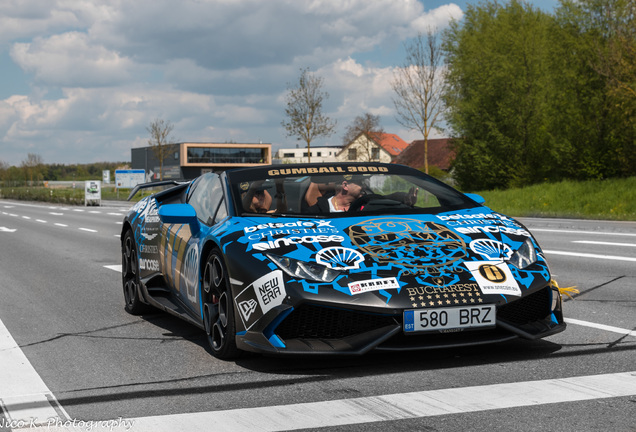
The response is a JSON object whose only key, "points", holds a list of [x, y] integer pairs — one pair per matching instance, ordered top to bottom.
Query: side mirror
{"points": [[477, 198], [180, 214]]}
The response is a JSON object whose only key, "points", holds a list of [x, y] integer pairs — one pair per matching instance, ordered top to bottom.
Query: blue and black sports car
{"points": [[338, 258]]}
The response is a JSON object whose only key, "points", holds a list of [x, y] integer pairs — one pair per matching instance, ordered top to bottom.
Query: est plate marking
{"points": [[422, 320]]}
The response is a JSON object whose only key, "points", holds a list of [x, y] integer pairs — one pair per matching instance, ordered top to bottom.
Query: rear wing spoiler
{"points": [[154, 184]]}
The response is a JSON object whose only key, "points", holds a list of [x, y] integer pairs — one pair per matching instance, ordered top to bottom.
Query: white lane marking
{"points": [[8, 206], [78, 210], [95, 212], [56, 214], [115, 214], [13, 215], [26, 217], [40, 220], [60, 224], [5, 229], [88, 230], [583, 232], [604, 243], [595, 256], [116, 267], [601, 327], [23, 394], [394, 407]]}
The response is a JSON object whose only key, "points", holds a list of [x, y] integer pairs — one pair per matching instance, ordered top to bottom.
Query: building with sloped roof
{"points": [[382, 147], [440, 154]]}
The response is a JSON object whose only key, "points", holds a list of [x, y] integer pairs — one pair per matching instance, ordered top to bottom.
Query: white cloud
{"points": [[437, 18], [71, 59], [102, 70]]}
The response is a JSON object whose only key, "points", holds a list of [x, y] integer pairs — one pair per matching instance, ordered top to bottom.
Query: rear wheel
{"points": [[130, 276], [218, 308]]}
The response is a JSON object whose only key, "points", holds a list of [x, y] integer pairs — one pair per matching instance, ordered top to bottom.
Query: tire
{"points": [[130, 276], [218, 308]]}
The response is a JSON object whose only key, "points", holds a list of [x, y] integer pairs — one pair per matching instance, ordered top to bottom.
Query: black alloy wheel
{"points": [[130, 276], [218, 309]]}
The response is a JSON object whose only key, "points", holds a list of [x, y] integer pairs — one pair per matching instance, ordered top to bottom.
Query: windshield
{"points": [[341, 190]]}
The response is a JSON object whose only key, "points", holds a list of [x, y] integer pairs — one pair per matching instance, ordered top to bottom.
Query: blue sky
{"points": [[81, 80]]}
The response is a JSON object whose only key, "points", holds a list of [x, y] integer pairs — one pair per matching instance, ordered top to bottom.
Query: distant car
{"points": [[259, 259]]}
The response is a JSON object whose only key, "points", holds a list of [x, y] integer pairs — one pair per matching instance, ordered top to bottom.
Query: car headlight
{"points": [[524, 256], [304, 270]]}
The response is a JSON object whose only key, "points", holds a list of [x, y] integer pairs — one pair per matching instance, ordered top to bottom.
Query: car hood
{"points": [[378, 256]]}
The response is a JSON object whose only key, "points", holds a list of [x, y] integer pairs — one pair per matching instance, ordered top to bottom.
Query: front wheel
{"points": [[130, 276], [218, 308]]}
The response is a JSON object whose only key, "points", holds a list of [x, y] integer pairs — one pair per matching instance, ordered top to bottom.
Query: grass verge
{"points": [[71, 196], [612, 199]]}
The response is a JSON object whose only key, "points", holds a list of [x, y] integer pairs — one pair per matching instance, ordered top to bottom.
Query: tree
{"points": [[596, 57], [418, 87], [499, 94], [304, 110], [366, 128], [160, 131], [32, 168]]}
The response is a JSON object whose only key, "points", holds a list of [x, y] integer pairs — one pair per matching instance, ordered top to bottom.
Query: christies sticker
{"points": [[461, 317]]}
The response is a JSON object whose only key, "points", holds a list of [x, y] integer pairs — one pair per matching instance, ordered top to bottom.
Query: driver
{"points": [[350, 189], [257, 199]]}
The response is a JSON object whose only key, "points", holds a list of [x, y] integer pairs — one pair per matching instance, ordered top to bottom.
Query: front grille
{"points": [[528, 309], [319, 322]]}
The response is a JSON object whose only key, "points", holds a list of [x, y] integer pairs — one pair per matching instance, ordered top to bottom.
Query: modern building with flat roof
{"points": [[189, 160]]}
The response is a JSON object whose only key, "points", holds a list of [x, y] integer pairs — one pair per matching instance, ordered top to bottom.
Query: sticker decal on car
{"points": [[288, 241], [408, 242], [492, 250], [339, 258], [191, 272], [494, 278], [373, 285], [260, 297]]}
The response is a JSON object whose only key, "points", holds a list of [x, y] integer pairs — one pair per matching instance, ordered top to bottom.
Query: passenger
{"points": [[353, 188], [346, 192]]}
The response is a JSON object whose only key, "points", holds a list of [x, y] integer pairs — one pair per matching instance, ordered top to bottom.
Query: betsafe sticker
{"points": [[493, 278]]}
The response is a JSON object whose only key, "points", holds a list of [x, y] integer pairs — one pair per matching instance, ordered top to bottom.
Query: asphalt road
{"points": [[87, 360]]}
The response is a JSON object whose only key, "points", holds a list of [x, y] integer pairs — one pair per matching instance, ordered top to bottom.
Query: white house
{"points": [[383, 147], [300, 155]]}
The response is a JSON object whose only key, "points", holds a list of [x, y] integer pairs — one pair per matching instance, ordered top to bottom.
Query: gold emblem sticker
{"points": [[492, 273]]}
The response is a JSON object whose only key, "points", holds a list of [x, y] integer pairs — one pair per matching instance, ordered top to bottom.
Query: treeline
{"points": [[538, 97], [33, 172]]}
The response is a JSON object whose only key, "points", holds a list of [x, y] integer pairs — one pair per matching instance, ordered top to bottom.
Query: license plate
{"points": [[461, 317]]}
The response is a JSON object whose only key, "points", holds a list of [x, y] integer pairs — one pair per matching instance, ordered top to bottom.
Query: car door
{"points": [[183, 246]]}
